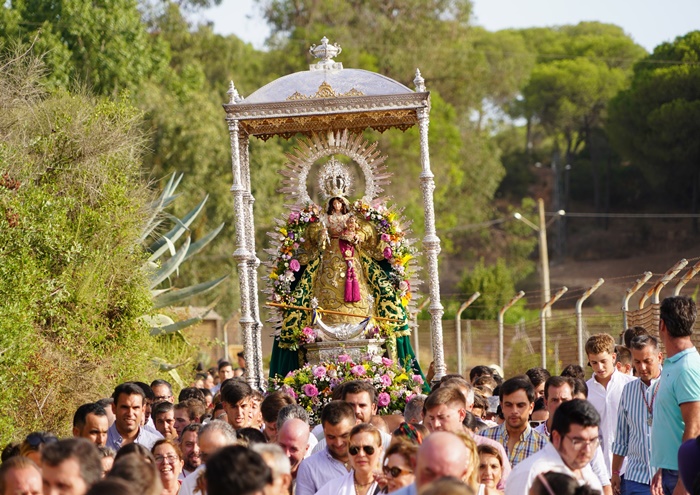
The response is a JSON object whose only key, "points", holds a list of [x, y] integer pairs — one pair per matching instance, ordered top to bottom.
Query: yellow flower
{"points": [[391, 216], [283, 231], [405, 259], [274, 276], [401, 378], [288, 380]]}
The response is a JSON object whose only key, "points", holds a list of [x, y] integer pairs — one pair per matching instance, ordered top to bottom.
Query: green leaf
{"points": [[177, 231], [201, 243], [170, 266], [178, 295], [177, 326]]}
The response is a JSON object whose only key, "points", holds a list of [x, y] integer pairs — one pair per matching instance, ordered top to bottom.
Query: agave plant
{"points": [[160, 269]]}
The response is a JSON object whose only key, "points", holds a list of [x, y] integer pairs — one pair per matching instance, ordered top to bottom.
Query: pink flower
{"points": [[294, 216], [386, 237], [387, 253], [294, 265], [344, 358], [387, 361], [358, 370], [319, 371], [418, 379], [385, 380], [310, 390], [383, 399]]}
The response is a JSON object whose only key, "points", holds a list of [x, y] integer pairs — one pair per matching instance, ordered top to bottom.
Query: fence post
{"points": [[686, 278], [656, 289], [629, 293], [502, 312], [543, 316], [579, 318], [458, 325]]}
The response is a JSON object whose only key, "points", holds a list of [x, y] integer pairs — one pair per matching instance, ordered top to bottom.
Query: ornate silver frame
{"points": [[346, 99]]}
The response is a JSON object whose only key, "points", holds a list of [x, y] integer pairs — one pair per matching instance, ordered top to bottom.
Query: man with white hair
{"points": [[441, 454], [278, 463]]}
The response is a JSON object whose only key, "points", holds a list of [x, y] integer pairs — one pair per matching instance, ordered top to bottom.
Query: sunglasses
{"points": [[535, 424], [37, 438], [355, 449], [395, 471]]}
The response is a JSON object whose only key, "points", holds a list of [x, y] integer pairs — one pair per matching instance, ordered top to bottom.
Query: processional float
{"points": [[341, 270]]}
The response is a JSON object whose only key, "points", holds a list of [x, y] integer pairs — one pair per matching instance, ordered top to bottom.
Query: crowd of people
{"points": [[632, 428]]}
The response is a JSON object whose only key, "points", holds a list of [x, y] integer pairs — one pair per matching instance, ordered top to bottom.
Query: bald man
{"points": [[293, 437], [441, 454]]}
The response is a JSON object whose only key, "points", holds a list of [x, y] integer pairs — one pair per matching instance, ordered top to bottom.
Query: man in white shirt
{"points": [[605, 389], [337, 418], [213, 436], [575, 437]]}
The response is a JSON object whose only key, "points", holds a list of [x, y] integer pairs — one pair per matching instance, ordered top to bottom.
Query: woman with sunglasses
{"points": [[365, 449], [169, 464], [399, 465]]}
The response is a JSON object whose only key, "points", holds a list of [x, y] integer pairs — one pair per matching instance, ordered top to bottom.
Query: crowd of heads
{"points": [[220, 436]]}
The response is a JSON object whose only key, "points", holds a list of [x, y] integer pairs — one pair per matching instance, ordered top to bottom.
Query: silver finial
{"points": [[325, 53], [419, 82], [233, 95]]}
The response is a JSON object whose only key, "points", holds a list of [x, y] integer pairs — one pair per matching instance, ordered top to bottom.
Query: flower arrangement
{"points": [[393, 244], [285, 265], [312, 386]]}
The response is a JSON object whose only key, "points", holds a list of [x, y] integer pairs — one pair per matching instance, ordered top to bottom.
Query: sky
{"points": [[648, 22]]}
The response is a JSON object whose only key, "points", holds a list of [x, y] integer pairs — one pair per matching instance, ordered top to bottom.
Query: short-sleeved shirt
{"points": [[679, 384], [529, 442]]}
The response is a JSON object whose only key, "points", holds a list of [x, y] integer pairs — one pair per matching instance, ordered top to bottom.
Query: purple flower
{"points": [[387, 253], [294, 265], [344, 358], [387, 361], [358, 370], [319, 371], [418, 379], [385, 380], [310, 390], [383, 399]]}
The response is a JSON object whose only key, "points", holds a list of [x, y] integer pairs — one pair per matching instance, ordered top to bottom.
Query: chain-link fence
{"points": [[523, 340]]}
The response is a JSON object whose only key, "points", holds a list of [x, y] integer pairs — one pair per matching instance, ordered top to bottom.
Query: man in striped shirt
{"points": [[632, 439]]}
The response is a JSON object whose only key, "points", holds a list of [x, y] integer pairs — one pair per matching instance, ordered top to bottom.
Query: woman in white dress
{"points": [[365, 448]]}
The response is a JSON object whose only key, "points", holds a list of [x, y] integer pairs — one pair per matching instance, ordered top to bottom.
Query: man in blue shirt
{"points": [[128, 407], [676, 413]]}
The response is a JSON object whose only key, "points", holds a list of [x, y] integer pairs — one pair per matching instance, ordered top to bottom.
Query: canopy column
{"points": [[431, 242], [242, 254], [256, 365]]}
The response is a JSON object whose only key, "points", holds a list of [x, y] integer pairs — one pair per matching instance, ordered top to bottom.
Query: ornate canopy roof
{"points": [[327, 97]]}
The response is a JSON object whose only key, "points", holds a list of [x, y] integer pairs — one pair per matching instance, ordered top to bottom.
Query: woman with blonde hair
{"points": [[490, 466], [472, 477]]}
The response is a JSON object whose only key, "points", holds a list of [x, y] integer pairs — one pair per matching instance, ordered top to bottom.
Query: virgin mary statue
{"points": [[342, 260]]}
